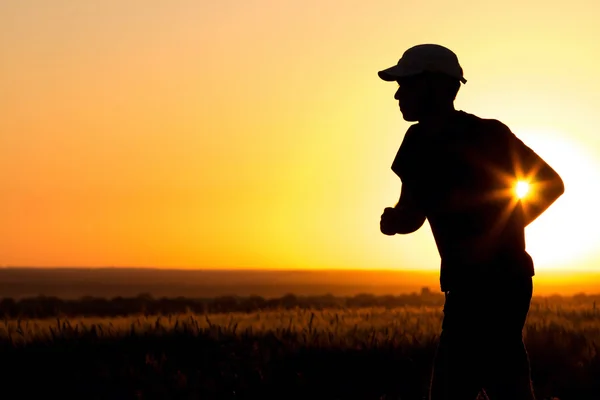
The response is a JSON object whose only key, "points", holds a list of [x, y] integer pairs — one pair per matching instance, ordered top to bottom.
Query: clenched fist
{"points": [[390, 219]]}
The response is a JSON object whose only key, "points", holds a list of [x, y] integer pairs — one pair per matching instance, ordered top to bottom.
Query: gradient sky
{"points": [[189, 133]]}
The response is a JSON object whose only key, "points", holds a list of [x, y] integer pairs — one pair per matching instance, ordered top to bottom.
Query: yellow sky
{"points": [[257, 133]]}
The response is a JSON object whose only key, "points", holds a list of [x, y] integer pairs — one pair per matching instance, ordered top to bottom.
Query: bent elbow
{"points": [[559, 186], [562, 186], [412, 225]]}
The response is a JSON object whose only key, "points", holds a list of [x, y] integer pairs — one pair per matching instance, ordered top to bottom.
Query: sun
{"points": [[522, 189], [566, 235]]}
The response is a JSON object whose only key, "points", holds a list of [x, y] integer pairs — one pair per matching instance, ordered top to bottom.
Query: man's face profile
{"points": [[412, 96]]}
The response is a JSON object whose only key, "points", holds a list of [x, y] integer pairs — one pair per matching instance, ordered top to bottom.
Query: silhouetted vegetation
{"points": [[74, 283], [144, 303], [360, 347]]}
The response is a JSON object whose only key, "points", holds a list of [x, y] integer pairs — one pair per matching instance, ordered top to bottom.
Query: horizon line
{"points": [[284, 269], [562, 271]]}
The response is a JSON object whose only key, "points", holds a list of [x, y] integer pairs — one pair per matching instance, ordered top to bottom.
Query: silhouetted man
{"points": [[459, 172]]}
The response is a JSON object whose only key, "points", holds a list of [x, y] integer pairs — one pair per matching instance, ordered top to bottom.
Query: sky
{"points": [[256, 134]]}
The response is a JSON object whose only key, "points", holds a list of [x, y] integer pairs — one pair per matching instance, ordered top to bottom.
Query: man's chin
{"points": [[408, 115], [409, 118]]}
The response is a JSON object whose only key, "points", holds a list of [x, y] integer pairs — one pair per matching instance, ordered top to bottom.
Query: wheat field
{"points": [[372, 353]]}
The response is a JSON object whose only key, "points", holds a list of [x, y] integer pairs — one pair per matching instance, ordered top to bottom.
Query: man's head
{"points": [[429, 77]]}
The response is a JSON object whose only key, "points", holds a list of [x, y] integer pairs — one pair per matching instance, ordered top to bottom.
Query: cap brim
{"points": [[395, 72], [398, 72], [386, 75]]}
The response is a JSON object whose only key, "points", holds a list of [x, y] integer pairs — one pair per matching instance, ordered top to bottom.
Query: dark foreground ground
{"points": [[354, 352]]}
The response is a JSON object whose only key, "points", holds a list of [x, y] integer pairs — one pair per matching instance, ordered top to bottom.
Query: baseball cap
{"points": [[422, 58]]}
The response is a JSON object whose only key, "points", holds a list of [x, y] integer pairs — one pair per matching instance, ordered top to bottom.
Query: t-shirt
{"points": [[463, 179]]}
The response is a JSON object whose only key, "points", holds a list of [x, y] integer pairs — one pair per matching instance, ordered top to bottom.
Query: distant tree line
{"points": [[144, 303]]}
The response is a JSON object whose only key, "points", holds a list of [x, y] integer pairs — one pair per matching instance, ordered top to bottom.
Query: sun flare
{"points": [[522, 189], [565, 236]]}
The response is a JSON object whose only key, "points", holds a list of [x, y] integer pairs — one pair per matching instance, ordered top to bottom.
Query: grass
{"points": [[367, 353]]}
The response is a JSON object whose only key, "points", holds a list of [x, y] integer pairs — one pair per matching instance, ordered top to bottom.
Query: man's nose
{"points": [[397, 95]]}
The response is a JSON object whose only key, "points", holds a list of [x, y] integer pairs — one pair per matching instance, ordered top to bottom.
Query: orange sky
{"points": [[257, 133]]}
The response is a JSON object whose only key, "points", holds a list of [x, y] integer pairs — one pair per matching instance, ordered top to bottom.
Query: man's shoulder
{"points": [[466, 121], [479, 122], [472, 126], [412, 130], [486, 130], [410, 136], [406, 153]]}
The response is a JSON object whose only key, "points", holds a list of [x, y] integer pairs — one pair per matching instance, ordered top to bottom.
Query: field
{"points": [[301, 351]]}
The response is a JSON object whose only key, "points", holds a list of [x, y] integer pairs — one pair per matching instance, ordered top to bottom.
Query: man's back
{"points": [[463, 178]]}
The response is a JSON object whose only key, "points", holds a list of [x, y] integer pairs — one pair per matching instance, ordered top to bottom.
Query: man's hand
{"points": [[406, 217], [390, 220]]}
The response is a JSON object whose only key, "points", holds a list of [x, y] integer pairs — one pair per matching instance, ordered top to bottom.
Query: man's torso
{"points": [[461, 177]]}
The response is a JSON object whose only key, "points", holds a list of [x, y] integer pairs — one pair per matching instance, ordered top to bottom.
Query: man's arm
{"points": [[518, 162], [546, 185], [406, 217]]}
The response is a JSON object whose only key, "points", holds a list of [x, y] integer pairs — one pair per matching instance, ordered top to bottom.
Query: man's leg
{"points": [[455, 368], [454, 373], [508, 374]]}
